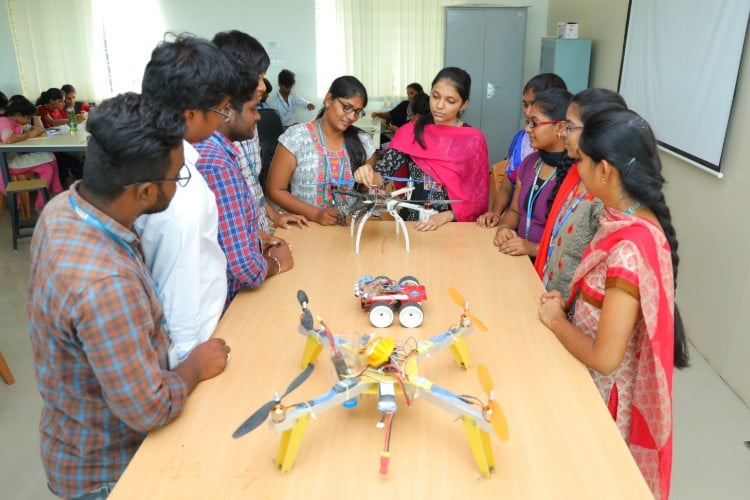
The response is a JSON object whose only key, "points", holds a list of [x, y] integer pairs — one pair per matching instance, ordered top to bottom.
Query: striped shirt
{"points": [[250, 163], [238, 213], [99, 343]]}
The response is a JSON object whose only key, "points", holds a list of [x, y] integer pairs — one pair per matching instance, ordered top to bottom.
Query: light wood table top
{"points": [[563, 443]]}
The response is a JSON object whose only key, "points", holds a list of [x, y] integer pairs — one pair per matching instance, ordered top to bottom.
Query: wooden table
{"points": [[563, 443]]}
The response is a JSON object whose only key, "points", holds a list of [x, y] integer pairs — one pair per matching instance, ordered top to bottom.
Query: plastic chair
{"points": [[269, 130]]}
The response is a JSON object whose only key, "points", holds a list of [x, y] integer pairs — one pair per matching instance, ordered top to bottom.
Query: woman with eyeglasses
{"points": [[319, 157], [446, 158], [574, 216], [520, 228], [625, 326]]}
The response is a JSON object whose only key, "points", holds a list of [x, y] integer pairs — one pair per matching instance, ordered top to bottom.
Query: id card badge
{"points": [[172, 356]]}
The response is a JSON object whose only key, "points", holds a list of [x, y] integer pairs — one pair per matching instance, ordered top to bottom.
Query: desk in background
{"points": [[74, 142], [563, 442]]}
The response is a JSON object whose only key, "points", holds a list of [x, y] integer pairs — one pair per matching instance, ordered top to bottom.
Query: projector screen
{"points": [[679, 71]]}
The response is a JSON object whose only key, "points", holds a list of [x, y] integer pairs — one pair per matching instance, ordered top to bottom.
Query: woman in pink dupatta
{"points": [[447, 158], [625, 326]]}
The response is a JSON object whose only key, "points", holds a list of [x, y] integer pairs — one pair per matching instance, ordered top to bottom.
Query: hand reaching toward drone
{"points": [[367, 176], [327, 216], [283, 220], [434, 221]]}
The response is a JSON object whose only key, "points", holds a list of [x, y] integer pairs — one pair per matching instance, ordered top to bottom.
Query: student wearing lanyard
{"points": [[319, 156], [574, 217], [522, 224], [98, 330]]}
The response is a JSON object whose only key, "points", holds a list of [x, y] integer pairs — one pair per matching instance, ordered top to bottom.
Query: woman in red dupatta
{"points": [[447, 158], [574, 215], [625, 326]]}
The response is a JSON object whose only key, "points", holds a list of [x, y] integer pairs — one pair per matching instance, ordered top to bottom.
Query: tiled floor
{"points": [[711, 423]]}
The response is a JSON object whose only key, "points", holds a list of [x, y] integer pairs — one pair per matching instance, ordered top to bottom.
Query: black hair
{"points": [[249, 59], [188, 73], [286, 78], [460, 80], [545, 81], [348, 86], [416, 86], [269, 87], [67, 88], [48, 95], [3, 100], [591, 101], [553, 103], [420, 104], [19, 105], [131, 139], [627, 142]]}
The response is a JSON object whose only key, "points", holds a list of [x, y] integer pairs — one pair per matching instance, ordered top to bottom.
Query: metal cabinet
{"points": [[489, 43], [568, 58]]}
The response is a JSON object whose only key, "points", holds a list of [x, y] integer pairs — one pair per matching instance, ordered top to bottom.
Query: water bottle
{"points": [[72, 120]]}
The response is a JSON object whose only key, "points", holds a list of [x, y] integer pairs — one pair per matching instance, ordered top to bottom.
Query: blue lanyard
{"points": [[328, 175], [534, 193], [561, 218], [94, 221]]}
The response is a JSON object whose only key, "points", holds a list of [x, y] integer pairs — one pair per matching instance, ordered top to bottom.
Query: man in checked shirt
{"points": [[98, 331]]}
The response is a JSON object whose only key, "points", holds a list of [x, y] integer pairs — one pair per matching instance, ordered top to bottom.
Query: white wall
{"points": [[709, 214]]}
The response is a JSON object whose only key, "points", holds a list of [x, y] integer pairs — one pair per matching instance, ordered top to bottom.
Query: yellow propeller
{"points": [[462, 302], [492, 412]]}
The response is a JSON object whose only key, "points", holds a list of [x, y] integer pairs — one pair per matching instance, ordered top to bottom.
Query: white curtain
{"points": [[387, 44], [99, 46]]}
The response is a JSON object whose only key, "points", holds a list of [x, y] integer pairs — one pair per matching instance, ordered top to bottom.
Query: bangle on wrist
{"points": [[278, 264]]}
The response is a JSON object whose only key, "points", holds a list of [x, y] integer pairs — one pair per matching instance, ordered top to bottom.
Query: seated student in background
{"points": [[243, 47], [191, 77], [285, 102], [3, 103], [263, 104], [418, 107], [50, 108], [81, 110], [19, 113], [398, 116], [520, 148], [320, 156], [446, 156], [574, 216], [521, 226], [251, 258], [625, 325], [98, 331]]}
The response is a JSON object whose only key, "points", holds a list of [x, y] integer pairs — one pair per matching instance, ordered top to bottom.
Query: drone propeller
{"points": [[402, 179], [462, 302], [492, 412], [262, 413]]}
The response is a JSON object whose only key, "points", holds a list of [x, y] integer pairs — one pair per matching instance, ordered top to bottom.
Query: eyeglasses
{"points": [[349, 109], [226, 112], [533, 124], [569, 128], [181, 180]]}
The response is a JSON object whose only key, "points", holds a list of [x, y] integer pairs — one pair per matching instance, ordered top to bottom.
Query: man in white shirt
{"points": [[191, 76], [284, 102]]}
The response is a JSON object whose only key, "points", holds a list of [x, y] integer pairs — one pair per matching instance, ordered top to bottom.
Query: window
{"points": [[91, 44], [387, 44]]}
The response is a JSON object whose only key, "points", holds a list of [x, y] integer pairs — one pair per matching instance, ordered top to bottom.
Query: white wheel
{"points": [[408, 280], [381, 315], [411, 315]]}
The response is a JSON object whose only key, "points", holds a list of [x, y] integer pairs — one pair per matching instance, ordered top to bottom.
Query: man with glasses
{"points": [[190, 76], [250, 260], [99, 333]]}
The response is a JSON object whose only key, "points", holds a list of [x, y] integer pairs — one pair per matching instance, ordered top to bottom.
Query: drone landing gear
{"points": [[311, 352], [460, 352], [291, 440], [481, 447]]}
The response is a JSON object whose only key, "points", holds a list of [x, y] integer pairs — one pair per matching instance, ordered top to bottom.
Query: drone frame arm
{"points": [[455, 338], [477, 428]]}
